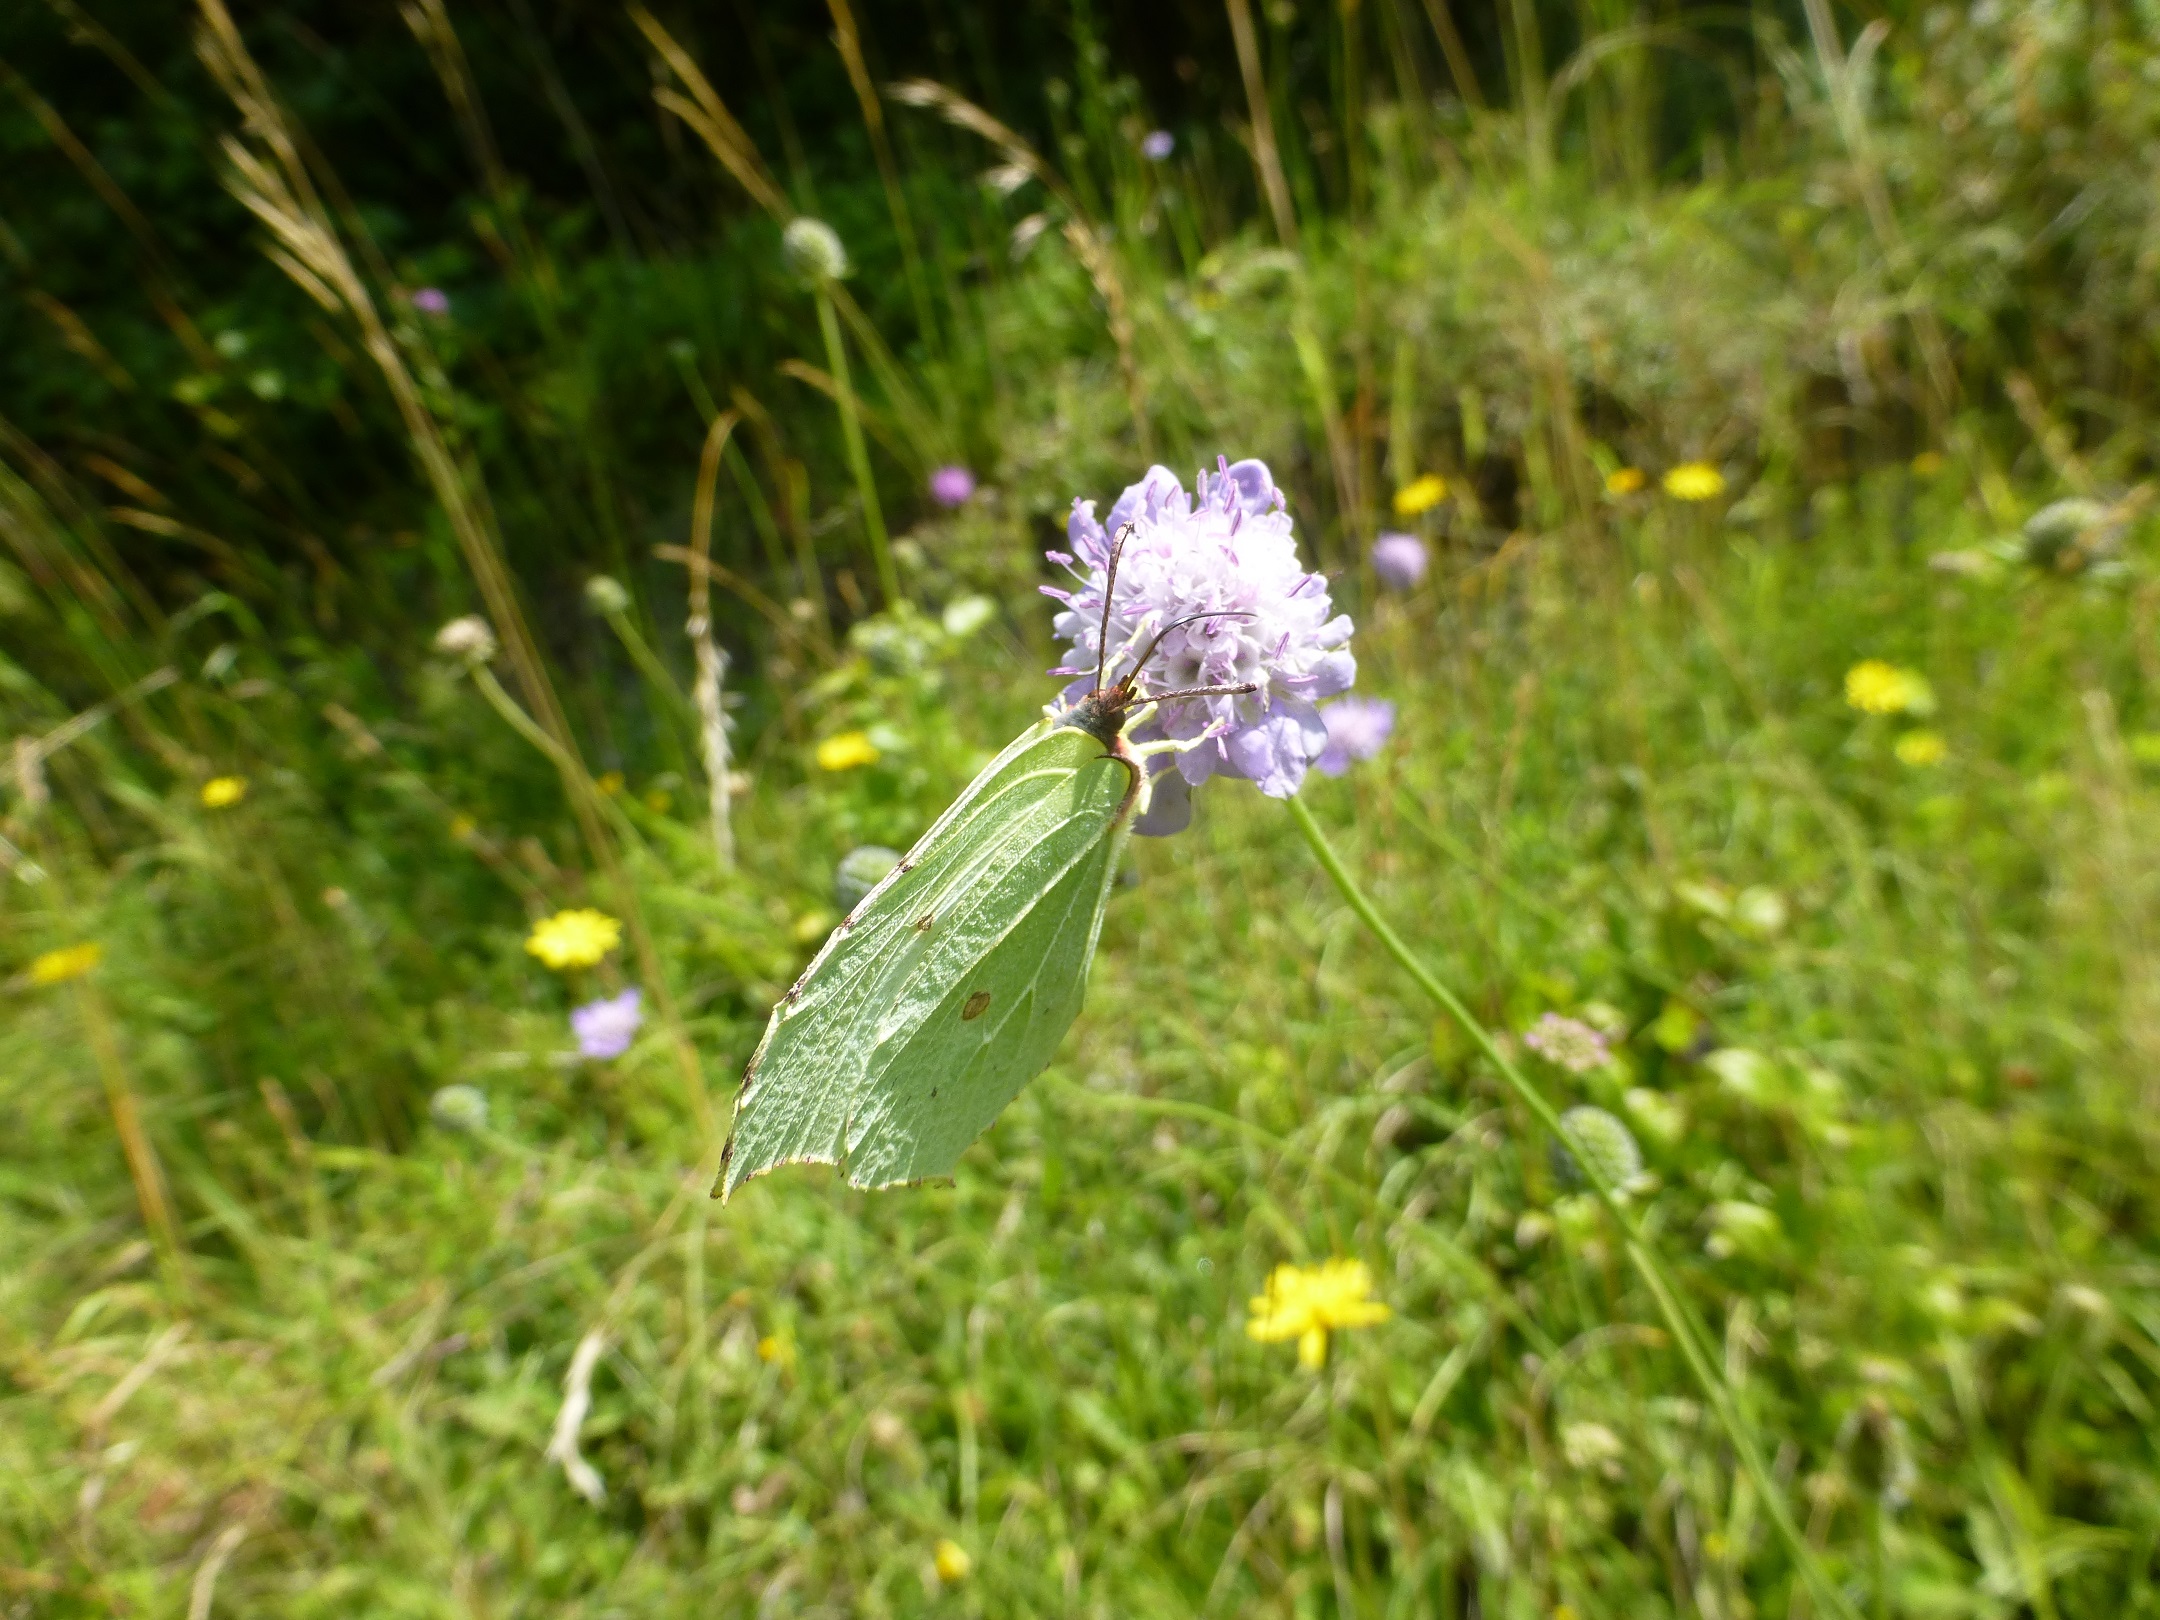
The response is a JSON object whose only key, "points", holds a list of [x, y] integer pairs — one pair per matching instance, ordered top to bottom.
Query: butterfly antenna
{"points": [[1109, 595], [1179, 624], [1201, 691]]}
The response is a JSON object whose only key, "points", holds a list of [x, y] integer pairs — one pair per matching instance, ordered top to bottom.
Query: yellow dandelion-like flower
{"points": [[1927, 464], [1625, 480], [1694, 481], [1420, 495], [1874, 687], [1922, 748], [846, 751], [609, 782], [221, 791], [659, 801], [462, 826], [574, 939], [68, 962], [1306, 1304], [778, 1350], [953, 1563]]}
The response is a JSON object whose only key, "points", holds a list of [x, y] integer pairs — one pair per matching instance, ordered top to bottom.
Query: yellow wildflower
{"points": [[1927, 464], [1625, 480], [1694, 481], [1420, 495], [1874, 687], [1922, 748], [846, 751], [609, 782], [221, 791], [659, 801], [462, 826], [811, 927], [574, 938], [68, 962], [1306, 1305], [778, 1350], [953, 1563]]}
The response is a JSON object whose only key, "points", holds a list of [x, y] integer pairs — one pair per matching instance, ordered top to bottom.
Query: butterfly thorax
{"points": [[1102, 715]]}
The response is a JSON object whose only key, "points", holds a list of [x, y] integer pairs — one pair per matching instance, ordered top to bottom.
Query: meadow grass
{"points": [[1879, 986]]}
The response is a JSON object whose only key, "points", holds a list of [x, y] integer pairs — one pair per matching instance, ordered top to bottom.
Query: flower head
{"points": [[1157, 144], [814, 248], [431, 301], [1927, 464], [1625, 480], [1694, 481], [952, 486], [1420, 495], [1225, 549], [1400, 560], [468, 639], [1874, 687], [1356, 729], [1922, 748], [846, 751], [221, 792], [574, 939], [68, 962], [605, 1028], [1569, 1043], [459, 1108], [1307, 1304], [953, 1562]]}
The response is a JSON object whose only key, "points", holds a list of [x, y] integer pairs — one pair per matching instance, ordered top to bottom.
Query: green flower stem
{"points": [[858, 455], [1686, 1331]]}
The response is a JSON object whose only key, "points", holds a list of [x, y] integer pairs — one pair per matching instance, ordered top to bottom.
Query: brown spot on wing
{"points": [[977, 1005]]}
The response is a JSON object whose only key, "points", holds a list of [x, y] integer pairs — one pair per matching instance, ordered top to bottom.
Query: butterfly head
{"points": [[1105, 711]]}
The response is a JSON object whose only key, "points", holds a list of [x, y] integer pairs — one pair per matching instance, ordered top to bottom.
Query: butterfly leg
{"points": [[1175, 745]]}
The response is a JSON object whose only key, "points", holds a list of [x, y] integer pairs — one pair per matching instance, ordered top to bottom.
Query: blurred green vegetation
{"points": [[1881, 987]]}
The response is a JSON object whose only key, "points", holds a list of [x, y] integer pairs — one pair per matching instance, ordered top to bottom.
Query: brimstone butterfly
{"points": [[950, 984]]}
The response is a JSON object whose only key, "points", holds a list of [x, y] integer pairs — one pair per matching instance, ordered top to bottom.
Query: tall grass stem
{"points": [[858, 453], [1686, 1331]]}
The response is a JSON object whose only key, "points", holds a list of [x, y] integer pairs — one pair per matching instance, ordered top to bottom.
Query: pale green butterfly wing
{"points": [[950, 985]]}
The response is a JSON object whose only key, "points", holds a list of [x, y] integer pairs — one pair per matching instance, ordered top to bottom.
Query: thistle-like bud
{"points": [[814, 249], [605, 596], [467, 639], [860, 871], [459, 1108], [1603, 1142]]}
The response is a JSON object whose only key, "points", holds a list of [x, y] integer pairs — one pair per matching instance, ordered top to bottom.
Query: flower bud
{"points": [[814, 249], [605, 596], [468, 640], [860, 871], [459, 1108], [1603, 1142]]}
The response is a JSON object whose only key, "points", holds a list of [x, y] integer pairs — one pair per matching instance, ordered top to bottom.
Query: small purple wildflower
{"points": [[1157, 144], [431, 301], [952, 486], [1226, 548], [1400, 560], [1356, 729], [605, 1028], [1568, 1042]]}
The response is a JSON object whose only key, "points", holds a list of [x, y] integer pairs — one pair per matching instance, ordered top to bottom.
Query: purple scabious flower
{"points": [[1157, 144], [431, 301], [951, 486], [1225, 548], [1400, 560], [1356, 729], [605, 1028], [1568, 1042]]}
